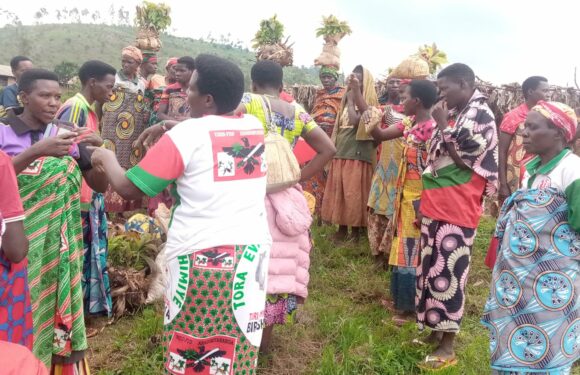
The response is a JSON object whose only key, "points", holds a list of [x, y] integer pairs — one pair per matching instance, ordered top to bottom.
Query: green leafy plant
{"points": [[153, 16], [333, 26], [271, 32], [433, 55], [129, 250]]}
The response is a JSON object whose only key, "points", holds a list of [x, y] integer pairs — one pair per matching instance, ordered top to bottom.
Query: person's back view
{"points": [[218, 243]]}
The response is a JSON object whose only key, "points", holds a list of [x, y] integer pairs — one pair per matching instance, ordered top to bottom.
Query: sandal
{"points": [[436, 363]]}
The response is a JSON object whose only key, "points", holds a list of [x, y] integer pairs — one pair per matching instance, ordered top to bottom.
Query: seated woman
{"points": [[415, 131], [50, 183], [218, 242], [532, 312]]}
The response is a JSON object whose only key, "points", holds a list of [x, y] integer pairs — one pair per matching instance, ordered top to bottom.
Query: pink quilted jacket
{"points": [[289, 220]]}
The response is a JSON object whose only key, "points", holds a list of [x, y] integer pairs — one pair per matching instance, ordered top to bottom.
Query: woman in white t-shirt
{"points": [[218, 241]]}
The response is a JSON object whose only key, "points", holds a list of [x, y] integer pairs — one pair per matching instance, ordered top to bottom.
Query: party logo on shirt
{"points": [[238, 154], [545, 182], [222, 257], [205, 356]]}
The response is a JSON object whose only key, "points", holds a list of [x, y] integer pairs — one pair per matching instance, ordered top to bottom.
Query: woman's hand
{"points": [[353, 83], [441, 115], [150, 136], [89, 137], [58, 146], [100, 157], [503, 192]]}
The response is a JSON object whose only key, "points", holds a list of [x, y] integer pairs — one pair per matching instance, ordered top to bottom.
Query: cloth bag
{"points": [[283, 168]]}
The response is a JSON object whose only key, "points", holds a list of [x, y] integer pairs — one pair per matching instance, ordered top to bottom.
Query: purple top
{"points": [[16, 137]]}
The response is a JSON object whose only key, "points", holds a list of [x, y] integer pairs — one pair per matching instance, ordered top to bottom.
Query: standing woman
{"points": [[97, 80], [324, 113], [125, 116], [415, 131], [461, 169], [349, 178], [49, 181], [381, 203], [289, 218], [218, 241], [15, 308], [532, 312]]}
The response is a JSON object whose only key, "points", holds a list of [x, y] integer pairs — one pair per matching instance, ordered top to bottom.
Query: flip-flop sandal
{"points": [[433, 359]]}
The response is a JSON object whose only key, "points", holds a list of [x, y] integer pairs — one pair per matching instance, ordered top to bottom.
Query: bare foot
{"points": [[356, 234], [340, 235], [380, 261], [388, 304], [401, 318], [434, 338]]}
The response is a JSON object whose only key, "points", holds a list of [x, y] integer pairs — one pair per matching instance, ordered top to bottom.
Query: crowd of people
{"points": [[408, 169]]}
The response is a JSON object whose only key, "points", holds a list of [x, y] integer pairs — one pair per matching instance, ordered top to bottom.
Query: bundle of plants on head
{"points": [[153, 16], [151, 19], [332, 30], [269, 45], [434, 56], [422, 64]]}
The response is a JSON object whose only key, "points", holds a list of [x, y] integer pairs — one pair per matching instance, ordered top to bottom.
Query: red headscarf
{"points": [[171, 61], [560, 115]]}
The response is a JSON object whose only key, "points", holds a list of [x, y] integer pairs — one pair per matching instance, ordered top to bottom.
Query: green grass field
{"points": [[342, 329]]}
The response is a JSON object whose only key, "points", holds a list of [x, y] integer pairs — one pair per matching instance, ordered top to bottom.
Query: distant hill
{"points": [[49, 45]]}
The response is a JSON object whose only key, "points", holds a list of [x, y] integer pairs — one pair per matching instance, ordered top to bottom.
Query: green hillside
{"points": [[49, 45]]}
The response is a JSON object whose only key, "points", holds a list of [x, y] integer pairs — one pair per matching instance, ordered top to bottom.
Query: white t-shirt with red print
{"points": [[217, 167]]}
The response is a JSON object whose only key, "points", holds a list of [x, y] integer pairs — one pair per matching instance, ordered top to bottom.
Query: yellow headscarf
{"points": [[372, 100]]}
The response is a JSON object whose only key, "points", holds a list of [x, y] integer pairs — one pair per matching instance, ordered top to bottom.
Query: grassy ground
{"points": [[342, 329]]}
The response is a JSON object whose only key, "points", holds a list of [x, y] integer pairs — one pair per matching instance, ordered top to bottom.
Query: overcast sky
{"points": [[502, 40]]}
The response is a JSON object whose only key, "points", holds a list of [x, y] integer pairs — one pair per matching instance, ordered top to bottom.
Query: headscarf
{"points": [[133, 52], [150, 57], [171, 61], [329, 70], [372, 100], [561, 115]]}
